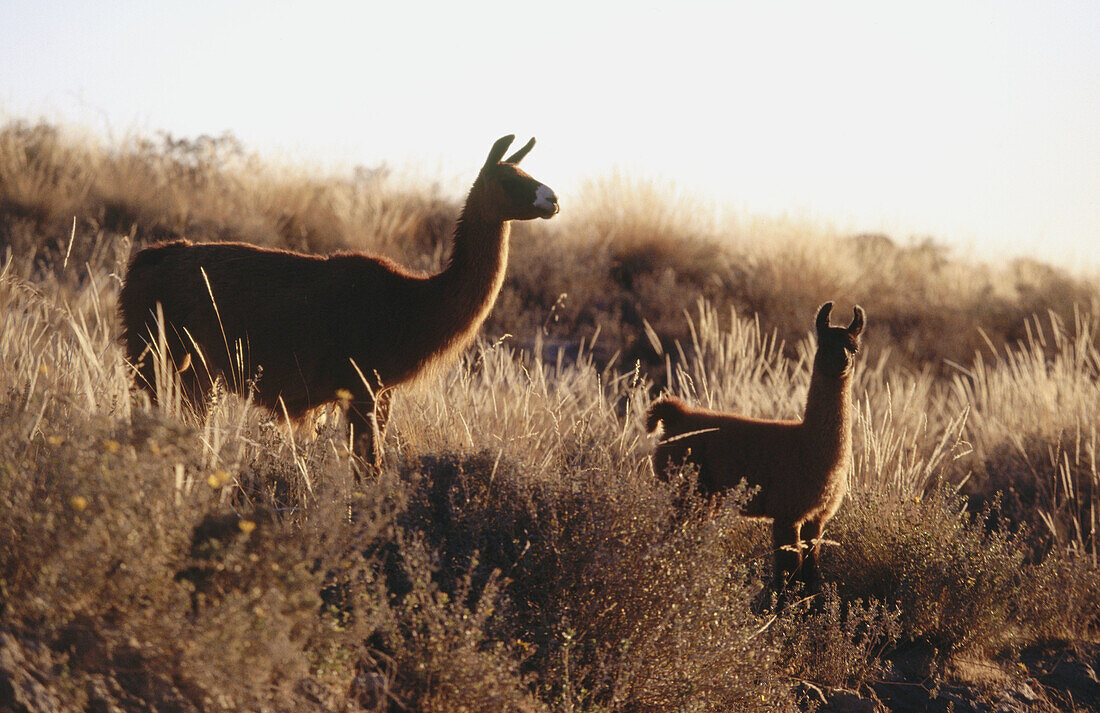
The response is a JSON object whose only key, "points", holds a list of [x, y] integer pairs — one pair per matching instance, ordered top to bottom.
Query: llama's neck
{"points": [[468, 286], [828, 415]]}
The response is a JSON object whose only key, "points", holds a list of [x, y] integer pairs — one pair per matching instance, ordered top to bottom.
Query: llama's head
{"points": [[509, 191], [837, 346]]}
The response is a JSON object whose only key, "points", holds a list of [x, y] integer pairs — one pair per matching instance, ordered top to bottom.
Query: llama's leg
{"points": [[146, 363], [151, 372], [145, 376], [197, 387], [195, 396], [382, 401], [366, 440], [788, 553], [810, 574]]}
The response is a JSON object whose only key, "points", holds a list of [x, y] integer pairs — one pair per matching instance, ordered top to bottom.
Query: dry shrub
{"points": [[45, 174], [632, 252], [110, 562], [956, 579], [615, 599], [1061, 599], [837, 643], [437, 645]]}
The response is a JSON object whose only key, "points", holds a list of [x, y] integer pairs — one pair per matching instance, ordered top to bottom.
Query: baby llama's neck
{"points": [[829, 411]]}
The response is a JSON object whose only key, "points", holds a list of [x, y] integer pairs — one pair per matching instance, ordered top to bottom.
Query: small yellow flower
{"points": [[43, 370], [344, 397], [55, 440], [111, 446], [218, 479], [79, 503], [246, 526]]}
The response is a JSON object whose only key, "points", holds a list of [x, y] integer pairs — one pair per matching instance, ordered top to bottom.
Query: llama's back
{"points": [[206, 289], [298, 317], [677, 418], [724, 447]]}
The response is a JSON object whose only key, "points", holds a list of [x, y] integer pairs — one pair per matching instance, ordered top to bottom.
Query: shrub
{"points": [[953, 577], [140, 582], [611, 596], [1060, 600], [837, 643]]}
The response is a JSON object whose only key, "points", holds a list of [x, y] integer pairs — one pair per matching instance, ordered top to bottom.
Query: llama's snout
{"points": [[546, 201]]}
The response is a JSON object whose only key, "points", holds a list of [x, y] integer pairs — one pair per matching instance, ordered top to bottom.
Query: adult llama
{"points": [[301, 331]]}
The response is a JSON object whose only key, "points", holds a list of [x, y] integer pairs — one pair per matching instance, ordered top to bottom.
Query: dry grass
{"points": [[624, 253], [516, 553]]}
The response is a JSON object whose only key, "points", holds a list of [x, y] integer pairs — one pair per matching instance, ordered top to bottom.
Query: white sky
{"points": [[977, 123]]}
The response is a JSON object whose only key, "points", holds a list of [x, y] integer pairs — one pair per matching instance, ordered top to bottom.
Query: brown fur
{"points": [[309, 325], [800, 467]]}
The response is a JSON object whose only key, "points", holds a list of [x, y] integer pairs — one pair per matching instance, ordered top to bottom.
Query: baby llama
{"points": [[800, 468]]}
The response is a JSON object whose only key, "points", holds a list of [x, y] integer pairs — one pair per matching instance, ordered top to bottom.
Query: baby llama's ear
{"points": [[497, 152], [518, 155], [823, 317], [857, 322]]}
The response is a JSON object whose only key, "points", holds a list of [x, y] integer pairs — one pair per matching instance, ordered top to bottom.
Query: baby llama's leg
{"points": [[788, 553], [810, 574]]}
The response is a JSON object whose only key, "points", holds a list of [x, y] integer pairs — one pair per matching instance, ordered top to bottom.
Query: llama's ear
{"points": [[497, 152], [518, 155], [823, 317], [858, 320]]}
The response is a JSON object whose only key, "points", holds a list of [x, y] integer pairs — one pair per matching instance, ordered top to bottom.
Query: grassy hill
{"points": [[517, 553]]}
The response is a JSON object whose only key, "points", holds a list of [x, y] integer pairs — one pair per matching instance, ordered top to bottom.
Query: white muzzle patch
{"points": [[545, 198]]}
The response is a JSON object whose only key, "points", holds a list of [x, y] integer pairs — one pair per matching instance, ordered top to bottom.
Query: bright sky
{"points": [[977, 123]]}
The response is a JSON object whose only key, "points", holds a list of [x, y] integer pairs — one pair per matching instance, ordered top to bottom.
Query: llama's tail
{"points": [[666, 409]]}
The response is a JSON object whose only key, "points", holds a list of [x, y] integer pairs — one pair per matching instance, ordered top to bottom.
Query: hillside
{"points": [[517, 553]]}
